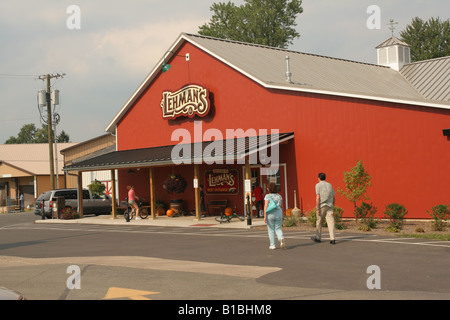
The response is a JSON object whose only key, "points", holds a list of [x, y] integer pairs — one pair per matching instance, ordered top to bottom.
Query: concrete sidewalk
{"points": [[162, 221]]}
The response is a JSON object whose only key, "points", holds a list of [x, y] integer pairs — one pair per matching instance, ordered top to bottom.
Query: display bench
{"points": [[217, 205]]}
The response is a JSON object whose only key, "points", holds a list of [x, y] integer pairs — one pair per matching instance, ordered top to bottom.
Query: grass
{"points": [[433, 236]]}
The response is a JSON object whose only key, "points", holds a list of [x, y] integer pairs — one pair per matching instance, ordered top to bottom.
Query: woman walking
{"points": [[274, 218]]}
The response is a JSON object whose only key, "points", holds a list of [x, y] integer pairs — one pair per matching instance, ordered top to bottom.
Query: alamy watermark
{"points": [[374, 20], [73, 22], [220, 150], [74, 280], [374, 281]]}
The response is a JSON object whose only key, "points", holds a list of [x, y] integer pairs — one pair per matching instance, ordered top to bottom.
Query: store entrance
{"points": [[263, 180]]}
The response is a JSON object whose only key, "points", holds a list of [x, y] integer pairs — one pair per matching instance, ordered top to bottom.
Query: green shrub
{"points": [[68, 213], [366, 213], [395, 213], [337, 214], [439, 214], [312, 217], [292, 221], [338, 223]]}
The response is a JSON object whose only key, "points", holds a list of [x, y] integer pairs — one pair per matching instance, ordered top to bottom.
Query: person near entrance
{"points": [[132, 197], [325, 198], [259, 200], [202, 202], [274, 219]]}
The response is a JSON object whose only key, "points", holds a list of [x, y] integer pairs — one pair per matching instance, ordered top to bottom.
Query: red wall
{"points": [[402, 147]]}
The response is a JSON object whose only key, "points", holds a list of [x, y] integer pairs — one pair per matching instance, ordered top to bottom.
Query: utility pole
{"points": [[50, 126]]}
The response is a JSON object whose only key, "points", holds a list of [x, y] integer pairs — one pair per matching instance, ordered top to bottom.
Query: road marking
{"points": [[218, 232], [148, 263], [117, 293]]}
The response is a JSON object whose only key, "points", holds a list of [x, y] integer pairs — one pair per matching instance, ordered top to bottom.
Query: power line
{"points": [[18, 76], [11, 120]]}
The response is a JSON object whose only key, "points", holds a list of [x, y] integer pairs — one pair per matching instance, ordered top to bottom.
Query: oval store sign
{"points": [[189, 101]]}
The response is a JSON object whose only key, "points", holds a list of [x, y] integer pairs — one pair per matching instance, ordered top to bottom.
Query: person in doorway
{"points": [[132, 198], [325, 198], [259, 200], [202, 202], [22, 203], [274, 218]]}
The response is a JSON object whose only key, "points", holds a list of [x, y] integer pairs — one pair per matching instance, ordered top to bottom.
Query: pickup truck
{"points": [[92, 204]]}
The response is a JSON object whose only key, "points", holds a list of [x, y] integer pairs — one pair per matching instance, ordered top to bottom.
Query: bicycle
{"points": [[130, 212], [224, 217]]}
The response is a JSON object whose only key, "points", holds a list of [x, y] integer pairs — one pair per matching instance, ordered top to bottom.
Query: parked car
{"points": [[92, 204], [39, 205], [8, 294]]}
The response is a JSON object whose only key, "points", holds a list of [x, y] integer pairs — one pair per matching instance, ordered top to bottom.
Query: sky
{"points": [[119, 42]]}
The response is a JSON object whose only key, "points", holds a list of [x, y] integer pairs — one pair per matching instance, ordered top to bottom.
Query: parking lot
{"points": [[200, 260]]}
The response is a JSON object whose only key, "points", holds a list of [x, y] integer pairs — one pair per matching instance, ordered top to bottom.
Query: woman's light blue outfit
{"points": [[274, 219]]}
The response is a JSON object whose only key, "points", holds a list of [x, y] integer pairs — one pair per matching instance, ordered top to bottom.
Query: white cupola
{"points": [[393, 53]]}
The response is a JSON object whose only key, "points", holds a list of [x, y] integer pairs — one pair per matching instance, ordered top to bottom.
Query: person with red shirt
{"points": [[132, 197], [259, 200]]}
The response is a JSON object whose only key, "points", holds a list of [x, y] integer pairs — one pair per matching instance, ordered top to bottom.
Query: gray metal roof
{"points": [[310, 73], [430, 77]]}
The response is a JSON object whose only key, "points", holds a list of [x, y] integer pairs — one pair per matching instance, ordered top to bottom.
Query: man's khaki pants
{"points": [[327, 212]]}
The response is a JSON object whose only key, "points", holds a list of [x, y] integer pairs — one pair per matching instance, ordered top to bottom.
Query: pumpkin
{"points": [[169, 212], [228, 212], [288, 212]]}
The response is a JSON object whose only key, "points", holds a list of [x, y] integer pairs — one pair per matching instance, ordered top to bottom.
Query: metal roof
{"points": [[392, 41], [310, 73], [430, 77], [211, 151], [32, 158]]}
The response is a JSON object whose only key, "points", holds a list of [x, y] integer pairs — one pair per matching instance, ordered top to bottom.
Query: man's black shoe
{"points": [[315, 239], [333, 241]]}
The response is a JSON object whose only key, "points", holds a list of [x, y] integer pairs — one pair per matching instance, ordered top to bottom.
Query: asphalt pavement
{"points": [[162, 221], [184, 258]]}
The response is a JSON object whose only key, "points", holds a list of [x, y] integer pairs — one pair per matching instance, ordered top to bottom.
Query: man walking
{"points": [[325, 198]]}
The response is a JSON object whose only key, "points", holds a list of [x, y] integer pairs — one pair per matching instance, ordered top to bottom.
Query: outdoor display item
{"points": [[175, 184]]}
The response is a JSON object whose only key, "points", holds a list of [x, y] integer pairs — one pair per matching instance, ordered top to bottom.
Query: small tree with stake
{"points": [[357, 180]]}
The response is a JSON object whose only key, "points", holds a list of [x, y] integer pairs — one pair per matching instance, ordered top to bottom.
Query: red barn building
{"points": [[206, 93]]}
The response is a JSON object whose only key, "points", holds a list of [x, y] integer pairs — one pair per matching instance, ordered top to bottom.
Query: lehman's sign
{"points": [[189, 101]]}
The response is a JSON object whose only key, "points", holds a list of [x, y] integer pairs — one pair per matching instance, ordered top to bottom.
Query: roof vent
{"points": [[393, 53], [288, 70]]}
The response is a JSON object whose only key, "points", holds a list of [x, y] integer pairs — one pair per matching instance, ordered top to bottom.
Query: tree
{"points": [[265, 22], [428, 39], [30, 134], [26, 135], [62, 137], [357, 180], [97, 188]]}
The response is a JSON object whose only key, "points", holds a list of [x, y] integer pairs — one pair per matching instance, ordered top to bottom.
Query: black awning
{"points": [[193, 153]]}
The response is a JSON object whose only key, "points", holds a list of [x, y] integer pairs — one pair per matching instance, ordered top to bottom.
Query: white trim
{"points": [[272, 143]]}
